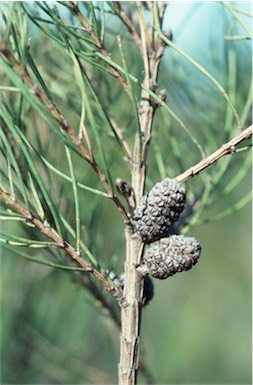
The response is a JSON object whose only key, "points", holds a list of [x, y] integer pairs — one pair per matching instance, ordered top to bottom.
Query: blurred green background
{"points": [[197, 329]]}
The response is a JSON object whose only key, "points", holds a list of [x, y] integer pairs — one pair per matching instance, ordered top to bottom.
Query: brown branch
{"points": [[73, 6], [122, 14], [22, 71], [76, 140], [227, 148], [61, 244]]}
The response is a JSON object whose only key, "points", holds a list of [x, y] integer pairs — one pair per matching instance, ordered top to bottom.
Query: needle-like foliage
{"points": [[92, 92]]}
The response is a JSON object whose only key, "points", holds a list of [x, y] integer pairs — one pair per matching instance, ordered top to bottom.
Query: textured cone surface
{"points": [[158, 210], [169, 256]]}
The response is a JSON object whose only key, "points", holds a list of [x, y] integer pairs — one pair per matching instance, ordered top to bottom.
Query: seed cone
{"points": [[158, 210], [171, 255]]}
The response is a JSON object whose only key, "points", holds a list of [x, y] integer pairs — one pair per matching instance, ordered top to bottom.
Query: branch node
{"points": [[169, 35], [34, 89], [128, 193], [13, 197], [29, 216], [46, 225], [62, 244], [143, 270], [123, 303]]}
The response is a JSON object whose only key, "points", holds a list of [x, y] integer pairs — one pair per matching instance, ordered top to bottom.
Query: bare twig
{"points": [[227, 148], [61, 244]]}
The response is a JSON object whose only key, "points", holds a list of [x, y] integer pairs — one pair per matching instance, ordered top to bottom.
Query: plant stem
{"points": [[152, 50]]}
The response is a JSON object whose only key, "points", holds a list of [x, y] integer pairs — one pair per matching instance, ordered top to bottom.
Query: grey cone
{"points": [[158, 210], [171, 255]]}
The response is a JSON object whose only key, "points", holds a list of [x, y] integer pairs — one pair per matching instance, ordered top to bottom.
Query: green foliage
{"points": [[53, 331]]}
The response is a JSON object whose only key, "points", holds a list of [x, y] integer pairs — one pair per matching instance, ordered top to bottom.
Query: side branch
{"points": [[73, 6], [128, 24], [227, 148], [87, 155], [61, 244]]}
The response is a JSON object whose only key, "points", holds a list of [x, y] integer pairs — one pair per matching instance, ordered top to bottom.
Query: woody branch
{"points": [[227, 148], [61, 244]]}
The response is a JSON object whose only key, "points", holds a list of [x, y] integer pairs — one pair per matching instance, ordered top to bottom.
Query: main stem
{"points": [[133, 286]]}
